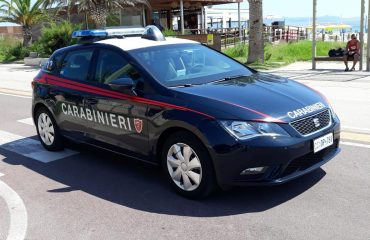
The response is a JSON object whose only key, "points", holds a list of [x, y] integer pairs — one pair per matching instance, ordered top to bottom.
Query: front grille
{"points": [[312, 124], [308, 160]]}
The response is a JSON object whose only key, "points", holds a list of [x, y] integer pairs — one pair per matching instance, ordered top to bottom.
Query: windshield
{"points": [[187, 64]]}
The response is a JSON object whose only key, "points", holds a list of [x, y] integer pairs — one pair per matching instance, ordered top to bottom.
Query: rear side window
{"points": [[54, 63], [76, 64]]}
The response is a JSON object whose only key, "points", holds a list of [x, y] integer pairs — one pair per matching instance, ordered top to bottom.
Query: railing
{"points": [[229, 36]]}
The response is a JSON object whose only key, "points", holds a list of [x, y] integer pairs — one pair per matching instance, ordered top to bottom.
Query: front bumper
{"points": [[285, 159]]}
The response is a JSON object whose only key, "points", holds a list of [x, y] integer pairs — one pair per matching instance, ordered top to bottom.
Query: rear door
{"points": [[68, 95], [120, 121]]}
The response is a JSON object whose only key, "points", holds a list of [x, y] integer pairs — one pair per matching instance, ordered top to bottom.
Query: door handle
{"points": [[91, 101]]}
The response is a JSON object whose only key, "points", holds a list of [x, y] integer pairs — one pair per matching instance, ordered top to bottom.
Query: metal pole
{"points": [[182, 17], [144, 20], [202, 20], [205, 20], [239, 23], [362, 32], [314, 34], [368, 41]]}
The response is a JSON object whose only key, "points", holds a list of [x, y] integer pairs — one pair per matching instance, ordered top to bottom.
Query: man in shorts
{"points": [[352, 52]]}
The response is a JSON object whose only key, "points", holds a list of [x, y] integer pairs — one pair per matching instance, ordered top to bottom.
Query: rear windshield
{"points": [[181, 64]]}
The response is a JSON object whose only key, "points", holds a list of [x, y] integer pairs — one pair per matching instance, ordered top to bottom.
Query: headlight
{"points": [[333, 114], [246, 130]]}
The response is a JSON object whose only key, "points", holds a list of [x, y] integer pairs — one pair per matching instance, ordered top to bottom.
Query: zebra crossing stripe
{"points": [[28, 121], [31, 148]]}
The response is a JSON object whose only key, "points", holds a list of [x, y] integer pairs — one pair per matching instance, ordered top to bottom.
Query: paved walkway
{"points": [[327, 71], [17, 77]]}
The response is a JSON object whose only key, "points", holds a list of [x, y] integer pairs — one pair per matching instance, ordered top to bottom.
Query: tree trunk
{"points": [[99, 15], [27, 35], [256, 39]]}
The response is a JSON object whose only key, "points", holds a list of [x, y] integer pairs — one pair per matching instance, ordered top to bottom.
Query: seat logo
{"points": [[316, 121], [138, 125]]}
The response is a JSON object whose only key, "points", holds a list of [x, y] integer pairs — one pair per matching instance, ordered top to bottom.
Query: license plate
{"points": [[323, 142]]}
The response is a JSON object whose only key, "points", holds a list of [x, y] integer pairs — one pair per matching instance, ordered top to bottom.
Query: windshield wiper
{"points": [[228, 78], [186, 85]]}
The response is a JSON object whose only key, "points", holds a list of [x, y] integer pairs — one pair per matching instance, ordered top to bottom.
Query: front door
{"points": [[118, 120]]}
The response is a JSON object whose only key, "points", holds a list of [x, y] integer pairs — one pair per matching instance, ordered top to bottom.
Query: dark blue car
{"points": [[206, 119]]}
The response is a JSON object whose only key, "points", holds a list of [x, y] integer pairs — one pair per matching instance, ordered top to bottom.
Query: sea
{"points": [[323, 20]]}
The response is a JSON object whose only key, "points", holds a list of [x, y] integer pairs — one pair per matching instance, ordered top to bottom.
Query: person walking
{"points": [[352, 52]]}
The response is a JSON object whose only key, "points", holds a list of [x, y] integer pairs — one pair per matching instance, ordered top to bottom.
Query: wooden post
{"points": [[362, 33], [314, 34], [287, 35], [298, 35]]}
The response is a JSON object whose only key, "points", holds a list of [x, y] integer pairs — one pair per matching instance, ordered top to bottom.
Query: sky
{"points": [[303, 8]]}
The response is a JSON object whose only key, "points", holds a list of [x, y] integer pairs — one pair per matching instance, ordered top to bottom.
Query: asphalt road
{"points": [[90, 194]]}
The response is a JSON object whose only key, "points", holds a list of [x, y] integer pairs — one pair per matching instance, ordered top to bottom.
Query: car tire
{"points": [[48, 130], [188, 166]]}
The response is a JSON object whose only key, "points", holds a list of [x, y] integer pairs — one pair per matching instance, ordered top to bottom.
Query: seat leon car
{"points": [[206, 119]]}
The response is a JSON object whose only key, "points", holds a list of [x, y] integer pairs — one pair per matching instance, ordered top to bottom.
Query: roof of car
{"points": [[132, 43]]}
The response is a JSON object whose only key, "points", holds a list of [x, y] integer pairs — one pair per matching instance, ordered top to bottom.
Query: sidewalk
{"points": [[17, 77]]}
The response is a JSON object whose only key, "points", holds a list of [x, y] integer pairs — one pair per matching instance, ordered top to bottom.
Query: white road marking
{"points": [[14, 95], [28, 121], [355, 128], [355, 144], [31, 148], [1, 174], [17, 211]]}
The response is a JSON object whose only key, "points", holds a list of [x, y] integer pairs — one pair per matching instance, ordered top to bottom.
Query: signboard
{"points": [[209, 39]]}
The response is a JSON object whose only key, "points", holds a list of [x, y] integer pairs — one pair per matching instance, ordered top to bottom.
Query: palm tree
{"points": [[97, 10], [23, 12], [256, 40]]}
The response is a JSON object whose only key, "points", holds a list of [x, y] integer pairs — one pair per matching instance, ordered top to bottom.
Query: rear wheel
{"points": [[48, 130], [188, 166]]}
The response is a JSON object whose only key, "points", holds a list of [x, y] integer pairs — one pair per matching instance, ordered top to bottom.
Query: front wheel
{"points": [[48, 131], [188, 166]]}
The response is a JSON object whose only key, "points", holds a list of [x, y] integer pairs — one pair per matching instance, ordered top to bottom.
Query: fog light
{"points": [[255, 170]]}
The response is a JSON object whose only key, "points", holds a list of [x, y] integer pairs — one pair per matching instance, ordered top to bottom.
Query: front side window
{"points": [[76, 64], [180, 64], [112, 66]]}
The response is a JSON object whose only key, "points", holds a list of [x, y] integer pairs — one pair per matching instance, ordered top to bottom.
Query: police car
{"points": [[205, 118]]}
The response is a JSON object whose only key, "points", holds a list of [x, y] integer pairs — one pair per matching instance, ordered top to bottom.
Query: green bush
{"points": [[169, 32], [57, 35], [37, 47], [240, 50], [14, 53]]}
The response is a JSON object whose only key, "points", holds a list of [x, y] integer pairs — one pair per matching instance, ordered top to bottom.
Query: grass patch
{"points": [[7, 45], [277, 55]]}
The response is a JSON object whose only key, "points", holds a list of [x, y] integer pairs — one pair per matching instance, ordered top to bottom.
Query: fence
{"points": [[272, 34], [229, 36]]}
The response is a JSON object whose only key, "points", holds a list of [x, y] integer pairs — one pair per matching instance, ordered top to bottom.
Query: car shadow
{"points": [[140, 186]]}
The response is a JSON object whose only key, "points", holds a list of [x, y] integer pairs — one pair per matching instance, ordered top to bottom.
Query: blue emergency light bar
{"points": [[113, 32], [89, 33], [89, 36]]}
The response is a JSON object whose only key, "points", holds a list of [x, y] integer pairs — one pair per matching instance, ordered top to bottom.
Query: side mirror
{"points": [[122, 84]]}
